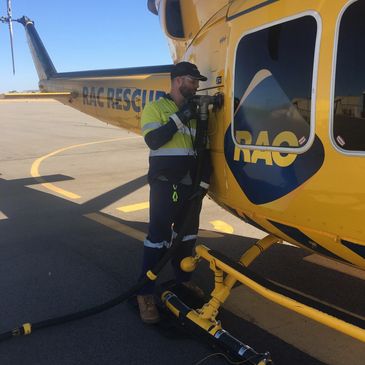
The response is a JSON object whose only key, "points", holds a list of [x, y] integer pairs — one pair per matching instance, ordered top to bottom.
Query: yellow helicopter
{"points": [[288, 145]]}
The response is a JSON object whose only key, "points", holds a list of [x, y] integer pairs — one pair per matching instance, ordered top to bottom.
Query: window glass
{"points": [[174, 22], [273, 85], [349, 100]]}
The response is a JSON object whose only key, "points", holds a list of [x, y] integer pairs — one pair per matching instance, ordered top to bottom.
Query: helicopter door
{"points": [[274, 86], [348, 101]]}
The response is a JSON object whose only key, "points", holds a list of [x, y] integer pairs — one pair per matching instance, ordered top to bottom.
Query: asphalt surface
{"points": [[55, 260]]}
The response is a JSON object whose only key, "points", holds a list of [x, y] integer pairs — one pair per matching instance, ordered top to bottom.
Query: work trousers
{"points": [[168, 210]]}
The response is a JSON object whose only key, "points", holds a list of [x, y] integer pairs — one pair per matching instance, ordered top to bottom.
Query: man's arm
{"points": [[155, 134], [161, 135]]}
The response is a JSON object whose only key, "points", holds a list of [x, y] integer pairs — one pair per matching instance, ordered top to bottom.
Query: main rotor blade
{"points": [[9, 8], [10, 22], [11, 44]]}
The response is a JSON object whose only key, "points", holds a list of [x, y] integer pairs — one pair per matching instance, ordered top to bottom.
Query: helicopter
{"points": [[287, 144]]}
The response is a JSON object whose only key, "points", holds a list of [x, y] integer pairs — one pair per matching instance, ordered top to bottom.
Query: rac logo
{"points": [[270, 158]]}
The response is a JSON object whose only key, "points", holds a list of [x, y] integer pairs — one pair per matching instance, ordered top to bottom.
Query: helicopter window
{"points": [[174, 24], [273, 87], [349, 97]]}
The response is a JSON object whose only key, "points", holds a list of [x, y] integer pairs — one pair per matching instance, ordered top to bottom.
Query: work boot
{"points": [[190, 285], [147, 309]]}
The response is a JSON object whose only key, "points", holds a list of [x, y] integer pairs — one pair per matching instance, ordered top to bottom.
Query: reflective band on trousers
{"points": [[172, 152], [186, 238], [148, 243]]}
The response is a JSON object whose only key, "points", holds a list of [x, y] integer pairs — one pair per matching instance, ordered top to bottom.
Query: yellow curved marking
{"points": [[34, 171], [222, 226]]}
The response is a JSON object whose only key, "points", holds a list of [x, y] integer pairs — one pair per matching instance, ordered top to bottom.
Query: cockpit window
{"points": [[174, 23], [273, 86], [349, 97]]}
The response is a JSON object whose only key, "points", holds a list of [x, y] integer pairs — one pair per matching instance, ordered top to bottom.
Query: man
{"points": [[169, 127]]}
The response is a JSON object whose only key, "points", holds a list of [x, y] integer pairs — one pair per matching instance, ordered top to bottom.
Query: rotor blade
{"points": [[9, 9], [10, 22], [11, 44]]}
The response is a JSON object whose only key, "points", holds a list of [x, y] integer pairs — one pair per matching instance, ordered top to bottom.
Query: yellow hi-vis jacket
{"points": [[172, 153]]}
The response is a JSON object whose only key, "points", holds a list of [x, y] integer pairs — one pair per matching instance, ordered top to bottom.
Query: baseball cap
{"points": [[187, 69]]}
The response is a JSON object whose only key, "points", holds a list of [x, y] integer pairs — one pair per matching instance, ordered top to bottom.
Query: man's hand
{"points": [[187, 112]]}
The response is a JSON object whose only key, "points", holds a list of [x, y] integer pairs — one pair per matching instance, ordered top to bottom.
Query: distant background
{"points": [[81, 35]]}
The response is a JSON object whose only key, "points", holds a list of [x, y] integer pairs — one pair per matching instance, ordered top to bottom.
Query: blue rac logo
{"points": [[268, 157], [265, 176]]}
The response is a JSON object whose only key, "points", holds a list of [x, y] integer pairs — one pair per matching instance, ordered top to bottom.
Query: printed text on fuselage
{"points": [[125, 99]]}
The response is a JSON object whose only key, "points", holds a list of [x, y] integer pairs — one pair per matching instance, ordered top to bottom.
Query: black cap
{"points": [[187, 69]]}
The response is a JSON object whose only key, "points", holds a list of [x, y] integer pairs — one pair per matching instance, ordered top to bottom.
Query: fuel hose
{"points": [[27, 328]]}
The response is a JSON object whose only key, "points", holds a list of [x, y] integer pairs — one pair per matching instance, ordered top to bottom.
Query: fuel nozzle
{"points": [[215, 100], [204, 101]]}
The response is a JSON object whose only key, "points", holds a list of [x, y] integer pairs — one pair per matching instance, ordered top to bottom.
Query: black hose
{"points": [[193, 204], [27, 328], [23, 330], [19, 331]]}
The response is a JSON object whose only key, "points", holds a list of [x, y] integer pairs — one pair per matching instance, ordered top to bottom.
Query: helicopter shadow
{"points": [[54, 260]]}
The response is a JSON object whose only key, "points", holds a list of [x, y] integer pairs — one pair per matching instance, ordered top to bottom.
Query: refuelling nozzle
{"points": [[206, 100]]}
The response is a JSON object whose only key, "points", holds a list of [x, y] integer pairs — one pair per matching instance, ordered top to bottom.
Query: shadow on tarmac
{"points": [[54, 261]]}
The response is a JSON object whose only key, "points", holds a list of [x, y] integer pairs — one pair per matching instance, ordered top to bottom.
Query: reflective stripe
{"points": [[178, 122], [152, 125], [182, 130], [187, 131], [172, 152], [204, 185], [190, 237], [186, 238], [148, 243]]}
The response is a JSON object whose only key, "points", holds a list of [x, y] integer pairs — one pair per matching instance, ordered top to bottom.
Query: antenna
{"points": [[8, 19]]}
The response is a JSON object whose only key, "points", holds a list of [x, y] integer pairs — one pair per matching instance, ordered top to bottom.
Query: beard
{"points": [[186, 92]]}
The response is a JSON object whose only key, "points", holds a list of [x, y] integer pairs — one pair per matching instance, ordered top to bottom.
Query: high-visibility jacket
{"points": [[172, 154]]}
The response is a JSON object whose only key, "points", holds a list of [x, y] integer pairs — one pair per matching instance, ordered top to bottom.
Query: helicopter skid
{"points": [[227, 272]]}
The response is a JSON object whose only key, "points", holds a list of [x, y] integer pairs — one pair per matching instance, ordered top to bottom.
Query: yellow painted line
{"points": [[68, 194], [134, 207], [3, 216], [117, 226], [222, 226], [132, 232], [335, 265]]}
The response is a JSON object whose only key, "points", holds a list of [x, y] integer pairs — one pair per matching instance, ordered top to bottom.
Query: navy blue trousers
{"points": [[168, 209]]}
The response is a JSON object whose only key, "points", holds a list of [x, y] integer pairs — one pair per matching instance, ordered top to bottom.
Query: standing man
{"points": [[169, 129]]}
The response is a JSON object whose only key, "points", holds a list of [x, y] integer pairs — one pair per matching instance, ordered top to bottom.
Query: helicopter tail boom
{"points": [[41, 59]]}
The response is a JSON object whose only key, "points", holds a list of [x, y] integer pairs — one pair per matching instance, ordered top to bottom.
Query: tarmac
{"points": [[73, 214]]}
